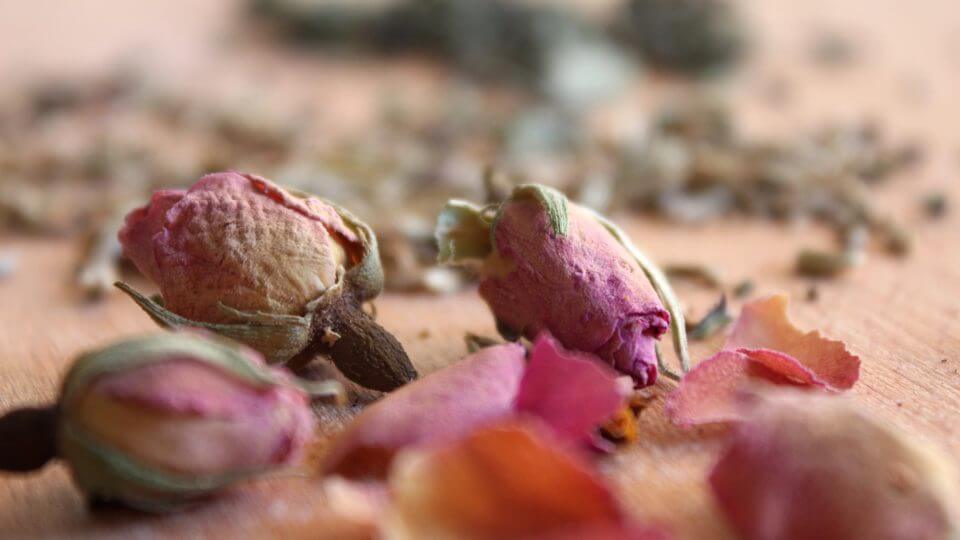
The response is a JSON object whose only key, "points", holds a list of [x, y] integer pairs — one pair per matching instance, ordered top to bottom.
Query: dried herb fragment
{"points": [[690, 37], [935, 205], [242, 257], [549, 264], [822, 264], [704, 274], [743, 289], [714, 321], [161, 422], [799, 455]]}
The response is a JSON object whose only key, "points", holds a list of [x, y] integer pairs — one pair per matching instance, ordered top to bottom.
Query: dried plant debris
{"points": [[690, 37], [547, 48], [693, 166], [935, 205], [700, 273], [713, 322]]}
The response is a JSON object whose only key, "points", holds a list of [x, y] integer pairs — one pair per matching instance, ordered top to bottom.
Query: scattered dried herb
{"points": [[690, 37], [935, 205], [313, 263], [822, 264], [704, 274], [743, 289], [714, 321], [476, 342], [159, 423]]}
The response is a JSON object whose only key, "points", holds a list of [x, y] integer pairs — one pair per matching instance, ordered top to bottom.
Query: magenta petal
{"points": [[572, 392], [442, 406]]}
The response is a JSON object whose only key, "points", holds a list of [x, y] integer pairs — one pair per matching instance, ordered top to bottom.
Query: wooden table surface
{"points": [[899, 315]]}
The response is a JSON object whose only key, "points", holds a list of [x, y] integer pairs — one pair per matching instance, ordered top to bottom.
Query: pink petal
{"points": [[141, 225], [764, 328], [572, 391], [711, 391], [442, 406], [804, 467]]}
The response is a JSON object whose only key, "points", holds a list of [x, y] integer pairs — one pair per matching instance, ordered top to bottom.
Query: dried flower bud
{"points": [[242, 257], [548, 264], [160, 422], [814, 467]]}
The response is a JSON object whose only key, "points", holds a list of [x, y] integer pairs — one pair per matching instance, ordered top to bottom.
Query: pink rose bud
{"points": [[549, 264], [284, 273], [160, 422], [805, 466]]}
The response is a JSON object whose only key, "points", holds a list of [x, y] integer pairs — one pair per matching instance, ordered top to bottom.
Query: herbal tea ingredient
{"points": [[548, 264], [283, 273], [572, 393], [161, 422], [810, 466]]}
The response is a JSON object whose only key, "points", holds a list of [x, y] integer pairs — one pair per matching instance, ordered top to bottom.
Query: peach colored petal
{"points": [[763, 325], [711, 391], [441, 406], [502, 482]]}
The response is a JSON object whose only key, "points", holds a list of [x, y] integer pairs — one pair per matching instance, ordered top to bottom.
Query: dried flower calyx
{"points": [[549, 264], [281, 272], [160, 422]]}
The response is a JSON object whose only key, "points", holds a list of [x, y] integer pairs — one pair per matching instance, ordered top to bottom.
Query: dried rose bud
{"points": [[549, 264], [286, 274], [160, 422], [805, 466]]}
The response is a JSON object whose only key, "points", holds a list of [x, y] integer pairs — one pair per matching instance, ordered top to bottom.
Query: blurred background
{"points": [[683, 112], [750, 147]]}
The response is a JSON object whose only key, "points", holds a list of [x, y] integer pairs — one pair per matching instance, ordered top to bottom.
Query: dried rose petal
{"points": [[548, 264], [764, 330], [710, 391], [571, 392], [805, 466], [503, 482]]}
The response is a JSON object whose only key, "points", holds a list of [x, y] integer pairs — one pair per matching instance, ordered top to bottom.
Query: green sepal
{"points": [[554, 202], [463, 232], [661, 285], [278, 337], [136, 352], [105, 472]]}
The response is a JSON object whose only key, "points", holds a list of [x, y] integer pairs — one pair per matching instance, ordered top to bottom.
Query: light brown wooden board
{"points": [[900, 316]]}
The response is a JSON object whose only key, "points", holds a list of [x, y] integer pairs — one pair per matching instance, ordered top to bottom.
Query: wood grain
{"points": [[899, 315]]}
